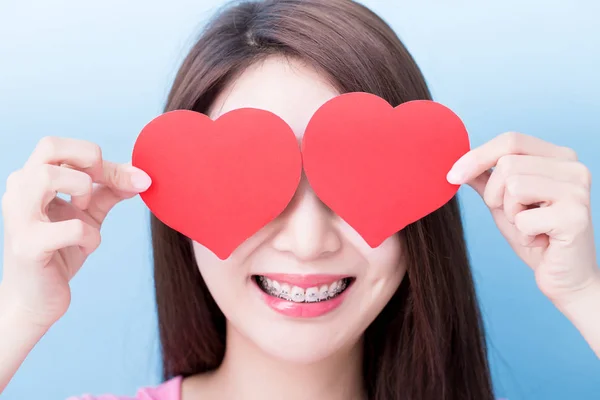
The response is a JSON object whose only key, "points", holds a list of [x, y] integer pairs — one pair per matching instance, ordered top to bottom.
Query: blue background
{"points": [[101, 70]]}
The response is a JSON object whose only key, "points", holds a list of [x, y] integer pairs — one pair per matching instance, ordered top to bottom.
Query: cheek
{"points": [[388, 254], [387, 268], [219, 275]]}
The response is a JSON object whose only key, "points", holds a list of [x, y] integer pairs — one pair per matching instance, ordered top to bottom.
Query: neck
{"points": [[248, 373]]}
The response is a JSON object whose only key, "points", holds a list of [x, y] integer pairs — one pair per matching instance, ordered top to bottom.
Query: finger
{"points": [[56, 150], [87, 157], [484, 157], [559, 170], [117, 176], [124, 177], [481, 182], [40, 186], [530, 190], [494, 192], [103, 200], [512, 206], [561, 221], [74, 232], [48, 237], [515, 238], [535, 241]]}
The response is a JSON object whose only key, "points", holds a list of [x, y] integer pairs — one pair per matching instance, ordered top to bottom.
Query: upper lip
{"points": [[305, 281]]}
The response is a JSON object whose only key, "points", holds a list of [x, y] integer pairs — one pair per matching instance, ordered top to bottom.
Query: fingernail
{"points": [[458, 172], [139, 179]]}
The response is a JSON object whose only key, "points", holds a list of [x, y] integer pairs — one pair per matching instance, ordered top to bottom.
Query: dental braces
{"points": [[286, 296]]}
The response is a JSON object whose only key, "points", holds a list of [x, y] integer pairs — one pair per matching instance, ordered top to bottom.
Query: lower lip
{"points": [[303, 310]]}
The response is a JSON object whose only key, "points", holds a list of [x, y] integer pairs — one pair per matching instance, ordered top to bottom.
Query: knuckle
{"points": [[513, 141], [49, 144], [95, 153], [569, 153], [507, 164], [584, 173], [46, 174], [114, 176], [117, 177], [12, 182], [82, 182], [87, 183], [514, 185], [13, 186], [490, 193], [582, 195], [488, 198], [6, 200], [6, 204], [580, 218], [519, 220], [78, 229], [85, 234], [96, 239]]}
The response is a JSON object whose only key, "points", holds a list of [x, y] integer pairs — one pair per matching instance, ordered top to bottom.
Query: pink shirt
{"points": [[169, 390]]}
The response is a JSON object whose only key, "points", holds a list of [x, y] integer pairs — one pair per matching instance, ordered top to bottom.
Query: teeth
{"points": [[275, 287], [333, 288], [285, 291], [323, 292], [299, 295], [311, 295]]}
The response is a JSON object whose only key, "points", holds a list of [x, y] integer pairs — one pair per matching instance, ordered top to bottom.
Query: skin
{"points": [[48, 240], [269, 352]]}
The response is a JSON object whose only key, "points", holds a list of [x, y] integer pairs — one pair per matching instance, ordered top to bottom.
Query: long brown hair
{"points": [[428, 342]]}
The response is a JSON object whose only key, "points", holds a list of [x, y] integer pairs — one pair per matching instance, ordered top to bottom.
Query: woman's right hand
{"points": [[47, 239]]}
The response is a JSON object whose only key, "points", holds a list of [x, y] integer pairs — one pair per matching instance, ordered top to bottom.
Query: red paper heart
{"points": [[381, 168], [218, 182]]}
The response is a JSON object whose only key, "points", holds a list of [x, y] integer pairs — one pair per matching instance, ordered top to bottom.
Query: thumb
{"points": [[124, 177], [119, 182], [480, 182]]}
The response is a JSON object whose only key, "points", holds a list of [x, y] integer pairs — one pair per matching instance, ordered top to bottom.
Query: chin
{"points": [[298, 330], [308, 346]]}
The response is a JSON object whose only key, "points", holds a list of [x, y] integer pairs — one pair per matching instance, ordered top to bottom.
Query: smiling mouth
{"points": [[315, 294]]}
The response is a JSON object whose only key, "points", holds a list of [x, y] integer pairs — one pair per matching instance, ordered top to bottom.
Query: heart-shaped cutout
{"points": [[381, 168], [218, 182]]}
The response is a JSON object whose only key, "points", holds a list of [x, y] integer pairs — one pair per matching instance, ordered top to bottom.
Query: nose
{"points": [[307, 227]]}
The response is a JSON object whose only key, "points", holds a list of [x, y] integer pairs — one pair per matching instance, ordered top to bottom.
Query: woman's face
{"points": [[306, 285]]}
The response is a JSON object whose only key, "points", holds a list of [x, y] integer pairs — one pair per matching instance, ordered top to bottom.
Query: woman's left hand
{"points": [[539, 196]]}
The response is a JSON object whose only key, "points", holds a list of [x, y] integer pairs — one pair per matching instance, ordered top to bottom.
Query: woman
{"points": [[409, 325]]}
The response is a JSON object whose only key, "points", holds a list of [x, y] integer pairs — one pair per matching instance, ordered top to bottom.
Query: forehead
{"points": [[286, 87]]}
